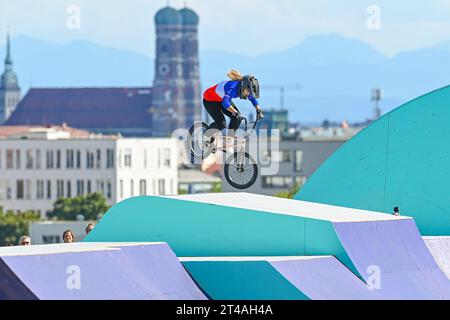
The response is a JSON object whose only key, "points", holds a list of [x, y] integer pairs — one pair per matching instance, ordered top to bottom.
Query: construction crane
{"points": [[283, 90]]}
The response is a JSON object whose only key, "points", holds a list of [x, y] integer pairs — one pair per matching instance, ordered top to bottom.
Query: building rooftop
{"points": [[85, 108], [30, 131]]}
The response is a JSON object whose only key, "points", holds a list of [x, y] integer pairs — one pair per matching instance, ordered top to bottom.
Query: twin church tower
{"points": [[176, 90]]}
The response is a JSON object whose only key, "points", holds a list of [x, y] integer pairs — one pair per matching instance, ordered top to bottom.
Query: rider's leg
{"points": [[214, 109], [234, 122]]}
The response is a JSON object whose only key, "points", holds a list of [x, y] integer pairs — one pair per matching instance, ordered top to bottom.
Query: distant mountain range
{"points": [[336, 73]]}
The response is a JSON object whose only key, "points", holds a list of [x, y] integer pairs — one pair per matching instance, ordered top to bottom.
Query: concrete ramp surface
{"points": [[440, 249], [396, 251], [385, 252], [95, 272], [277, 278]]}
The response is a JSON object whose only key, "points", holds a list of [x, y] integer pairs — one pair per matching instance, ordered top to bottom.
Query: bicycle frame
{"points": [[236, 141]]}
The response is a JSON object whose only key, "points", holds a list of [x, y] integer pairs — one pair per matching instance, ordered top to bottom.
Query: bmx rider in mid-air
{"points": [[217, 100]]}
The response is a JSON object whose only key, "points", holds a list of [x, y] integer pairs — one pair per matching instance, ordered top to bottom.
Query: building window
{"points": [[278, 156], [109, 158], [127, 158], [166, 158], [9, 159], [29, 159], [38, 159], [49, 159], [58, 159], [78, 159], [99, 159], [18, 160], [90, 160], [298, 160], [70, 163], [274, 182], [80, 187], [89, 187], [100, 187], [132, 187], [143, 187], [161, 187], [20, 189], [28, 189], [40, 189], [49, 189], [59, 189], [69, 189], [109, 190], [8, 191]]}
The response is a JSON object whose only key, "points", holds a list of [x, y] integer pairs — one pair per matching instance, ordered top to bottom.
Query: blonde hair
{"points": [[234, 75]]}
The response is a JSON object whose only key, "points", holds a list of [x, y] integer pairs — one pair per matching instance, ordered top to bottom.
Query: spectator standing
{"points": [[89, 228], [68, 236], [25, 241]]}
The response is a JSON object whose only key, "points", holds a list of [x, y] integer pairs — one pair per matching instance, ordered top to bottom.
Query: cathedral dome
{"points": [[168, 16], [189, 16], [9, 80]]}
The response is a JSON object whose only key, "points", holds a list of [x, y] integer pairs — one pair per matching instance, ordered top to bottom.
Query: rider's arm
{"points": [[254, 102], [226, 103]]}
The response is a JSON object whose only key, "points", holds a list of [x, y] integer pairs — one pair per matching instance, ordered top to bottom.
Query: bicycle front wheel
{"points": [[241, 170]]}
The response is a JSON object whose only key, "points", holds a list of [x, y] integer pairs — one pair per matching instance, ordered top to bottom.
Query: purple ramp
{"points": [[396, 251], [138, 272], [324, 278]]}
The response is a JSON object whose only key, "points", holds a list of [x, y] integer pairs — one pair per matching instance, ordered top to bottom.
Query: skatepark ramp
{"points": [[400, 160], [372, 245], [440, 249], [90, 271], [277, 278]]}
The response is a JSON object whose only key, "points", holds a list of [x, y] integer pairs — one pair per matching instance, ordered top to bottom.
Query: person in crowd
{"points": [[89, 228], [68, 236], [25, 241]]}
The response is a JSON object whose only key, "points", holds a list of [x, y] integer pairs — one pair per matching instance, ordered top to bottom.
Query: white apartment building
{"points": [[296, 159], [43, 164]]}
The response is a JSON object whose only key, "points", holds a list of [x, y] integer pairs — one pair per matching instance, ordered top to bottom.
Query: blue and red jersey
{"points": [[224, 92]]}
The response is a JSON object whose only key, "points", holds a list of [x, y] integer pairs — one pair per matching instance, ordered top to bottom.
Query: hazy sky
{"points": [[251, 27]]}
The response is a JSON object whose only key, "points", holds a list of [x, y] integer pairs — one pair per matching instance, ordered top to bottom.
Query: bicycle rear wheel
{"points": [[196, 141], [241, 170]]}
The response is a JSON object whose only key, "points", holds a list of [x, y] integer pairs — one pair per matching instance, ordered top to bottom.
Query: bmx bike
{"points": [[240, 169]]}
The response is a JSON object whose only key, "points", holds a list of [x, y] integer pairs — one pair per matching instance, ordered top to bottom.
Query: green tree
{"points": [[289, 194], [70, 208], [14, 225]]}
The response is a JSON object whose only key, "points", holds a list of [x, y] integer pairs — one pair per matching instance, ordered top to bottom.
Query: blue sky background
{"points": [[251, 27], [323, 45]]}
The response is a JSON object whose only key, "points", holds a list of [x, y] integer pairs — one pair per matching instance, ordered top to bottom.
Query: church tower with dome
{"points": [[9, 87], [176, 89]]}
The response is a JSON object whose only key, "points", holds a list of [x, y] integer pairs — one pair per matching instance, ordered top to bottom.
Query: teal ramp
{"points": [[401, 160], [232, 225], [241, 225], [277, 278], [241, 279]]}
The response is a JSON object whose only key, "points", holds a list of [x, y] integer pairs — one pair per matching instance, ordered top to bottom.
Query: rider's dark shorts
{"points": [[217, 112]]}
